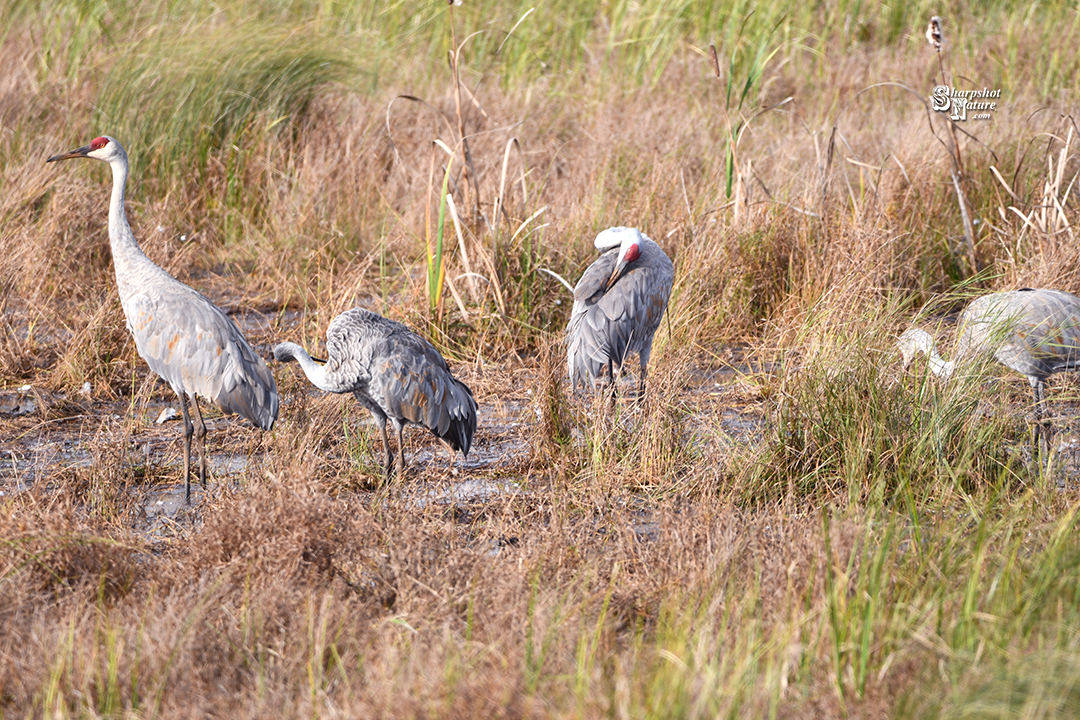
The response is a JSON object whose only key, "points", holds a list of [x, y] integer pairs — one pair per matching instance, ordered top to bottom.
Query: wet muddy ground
{"points": [[46, 438]]}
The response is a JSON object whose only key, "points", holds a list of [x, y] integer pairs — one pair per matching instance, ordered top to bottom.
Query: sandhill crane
{"points": [[618, 304], [1034, 332], [186, 339], [395, 374]]}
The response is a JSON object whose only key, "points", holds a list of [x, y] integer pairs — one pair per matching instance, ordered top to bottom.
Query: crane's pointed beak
{"points": [[79, 153], [632, 254], [614, 275]]}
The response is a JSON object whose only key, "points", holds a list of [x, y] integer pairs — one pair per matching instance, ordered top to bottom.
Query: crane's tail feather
{"points": [[586, 358], [254, 395], [457, 425]]}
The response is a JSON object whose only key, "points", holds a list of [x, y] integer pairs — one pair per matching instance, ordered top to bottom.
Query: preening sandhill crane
{"points": [[618, 304], [1034, 332], [186, 339], [395, 374]]}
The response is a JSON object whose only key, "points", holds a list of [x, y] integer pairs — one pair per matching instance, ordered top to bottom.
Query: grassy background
{"points": [[881, 545]]}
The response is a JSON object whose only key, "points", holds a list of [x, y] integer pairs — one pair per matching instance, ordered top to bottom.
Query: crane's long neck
{"points": [[127, 255], [916, 340], [939, 365], [315, 372]]}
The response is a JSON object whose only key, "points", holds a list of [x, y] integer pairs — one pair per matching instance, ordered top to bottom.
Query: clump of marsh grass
{"points": [[737, 92], [203, 104], [1033, 228], [497, 273], [96, 348], [553, 411], [850, 425], [665, 441], [52, 546]]}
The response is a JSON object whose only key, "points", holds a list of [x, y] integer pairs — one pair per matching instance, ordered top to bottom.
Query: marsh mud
{"points": [[88, 441], [89, 444]]}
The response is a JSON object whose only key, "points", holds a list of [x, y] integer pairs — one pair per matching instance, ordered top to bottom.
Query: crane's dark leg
{"points": [[643, 362], [641, 385], [613, 389], [188, 431], [1042, 431], [200, 440], [385, 445], [401, 449]]}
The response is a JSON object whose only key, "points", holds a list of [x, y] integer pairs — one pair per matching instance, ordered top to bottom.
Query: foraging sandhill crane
{"points": [[618, 304], [1034, 332], [186, 339], [394, 373]]}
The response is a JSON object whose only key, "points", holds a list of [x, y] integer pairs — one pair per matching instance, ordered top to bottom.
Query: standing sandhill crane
{"points": [[618, 304], [1034, 332], [184, 338], [395, 374]]}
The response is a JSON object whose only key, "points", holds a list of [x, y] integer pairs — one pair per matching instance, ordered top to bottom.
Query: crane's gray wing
{"points": [[591, 284], [634, 306], [606, 326], [1035, 332], [352, 339], [586, 346], [198, 350], [348, 355], [400, 372], [412, 381]]}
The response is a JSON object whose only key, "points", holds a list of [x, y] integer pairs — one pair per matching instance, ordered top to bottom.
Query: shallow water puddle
{"points": [[14, 403], [466, 491], [162, 506]]}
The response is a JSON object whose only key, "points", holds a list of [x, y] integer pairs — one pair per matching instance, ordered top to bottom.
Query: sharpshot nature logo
{"points": [[979, 103]]}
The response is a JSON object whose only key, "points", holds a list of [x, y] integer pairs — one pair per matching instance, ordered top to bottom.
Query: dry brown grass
{"points": [[787, 526], [285, 601]]}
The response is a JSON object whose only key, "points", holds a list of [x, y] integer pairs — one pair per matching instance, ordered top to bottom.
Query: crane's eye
{"points": [[99, 142]]}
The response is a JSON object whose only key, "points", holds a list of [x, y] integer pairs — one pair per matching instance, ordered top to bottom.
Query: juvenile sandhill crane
{"points": [[618, 304], [1034, 332], [186, 339], [395, 374]]}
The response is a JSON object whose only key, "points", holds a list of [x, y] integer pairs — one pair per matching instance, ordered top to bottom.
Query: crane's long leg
{"points": [[643, 362], [641, 384], [613, 389], [188, 431], [1042, 438], [200, 440], [385, 445], [401, 449]]}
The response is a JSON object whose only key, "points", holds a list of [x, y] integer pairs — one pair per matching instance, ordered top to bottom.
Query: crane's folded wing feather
{"points": [[608, 326], [1035, 332], [198, 350], [402, 373], [414, 382]]}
